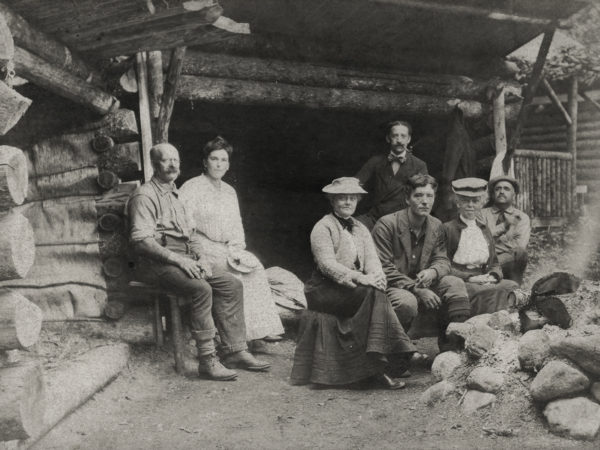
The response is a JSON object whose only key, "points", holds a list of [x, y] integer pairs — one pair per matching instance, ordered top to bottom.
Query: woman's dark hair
{"points": [[217, 143], [420, 180]]}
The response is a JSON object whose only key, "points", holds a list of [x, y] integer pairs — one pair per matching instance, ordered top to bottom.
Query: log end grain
{"points": [[14, 179], [17, 247], [20, 321]]}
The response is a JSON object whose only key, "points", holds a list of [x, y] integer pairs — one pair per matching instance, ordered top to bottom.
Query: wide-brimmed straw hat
{"points": [[495, 180], [344, 185], [469, 187], [243, 261]]}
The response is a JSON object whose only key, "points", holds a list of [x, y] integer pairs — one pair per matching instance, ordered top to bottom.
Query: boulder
{"points": [[481, 319], [501, 320], [532, 320], [458, 330], [480, 340], [534, 349], [584, 351], [445, 364], [485, 379], [556, 380], [595, 390], [437, 392], [475, 400], [578, 417]]}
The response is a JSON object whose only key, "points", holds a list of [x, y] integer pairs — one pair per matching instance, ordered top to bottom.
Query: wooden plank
{"points": [[41, 44], [320, 75], [63, 83], [241, 92], [591, 100], [144, 106], [542, 154]]}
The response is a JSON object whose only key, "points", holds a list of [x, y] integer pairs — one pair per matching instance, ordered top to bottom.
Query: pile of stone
{"points": [[546, 353]]}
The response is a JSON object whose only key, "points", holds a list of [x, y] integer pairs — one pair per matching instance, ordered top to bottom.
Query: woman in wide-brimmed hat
{"points": [[214, 206], [350, 332]]}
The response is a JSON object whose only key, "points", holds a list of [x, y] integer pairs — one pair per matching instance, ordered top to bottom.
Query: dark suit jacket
{"points": [[453, 230], [392, 241]]}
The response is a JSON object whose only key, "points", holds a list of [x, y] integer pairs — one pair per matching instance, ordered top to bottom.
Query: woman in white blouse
{"points": [[215, 210], [471, 251]]}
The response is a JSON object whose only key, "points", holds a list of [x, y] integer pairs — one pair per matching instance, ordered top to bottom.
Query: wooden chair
{"points": [[176, 328]]}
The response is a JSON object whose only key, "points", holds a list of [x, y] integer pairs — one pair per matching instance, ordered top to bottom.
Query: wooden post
{"points": [[533, 81], [155, 82], [168, 101], [145, 122], [499, 132], [572, 134], [176, 334]]}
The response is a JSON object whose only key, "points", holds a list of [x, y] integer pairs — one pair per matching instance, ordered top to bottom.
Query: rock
{"points": [[481, 319], [500, 320], [531, 320], [516, 321], [458, 329], [480, 340], [534, 349], [584, 351], [445, 364], [485, 379], [556, 380], [595, 390], [437, 392], [475, 400], [578, 417]]}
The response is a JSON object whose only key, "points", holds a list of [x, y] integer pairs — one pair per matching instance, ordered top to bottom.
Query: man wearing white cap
{"points": [[510, 227], [471, 250]]}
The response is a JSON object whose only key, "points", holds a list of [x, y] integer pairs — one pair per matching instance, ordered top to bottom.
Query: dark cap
{"points": [[495, 180]]}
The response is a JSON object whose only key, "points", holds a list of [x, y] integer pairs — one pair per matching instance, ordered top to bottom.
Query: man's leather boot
{"points": [[245, 360], [210, 367]]}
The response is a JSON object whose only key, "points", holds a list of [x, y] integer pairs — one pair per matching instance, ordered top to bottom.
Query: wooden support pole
{"points": [[47, 48], [319, 75], [534, 80], [155, 82], [63, 83], [241, 92], [591, 100], [168, 101], [556, 101], [572, 106], [145, 122], [499, 133]]}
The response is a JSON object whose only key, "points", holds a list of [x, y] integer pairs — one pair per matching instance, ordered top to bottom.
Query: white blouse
{"points": [[215, 210], [472, 246]]}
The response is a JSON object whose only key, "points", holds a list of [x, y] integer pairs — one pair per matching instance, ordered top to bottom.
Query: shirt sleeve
{"points": [[142, 218]]}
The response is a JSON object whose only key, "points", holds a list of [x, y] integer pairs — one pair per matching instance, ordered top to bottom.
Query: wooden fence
{"points": [[547, 191]]}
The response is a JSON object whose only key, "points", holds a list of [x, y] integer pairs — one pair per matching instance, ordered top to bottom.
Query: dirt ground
{"points": [[149, 406]]}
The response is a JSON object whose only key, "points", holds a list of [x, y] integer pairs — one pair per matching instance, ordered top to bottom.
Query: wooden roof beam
{"points": [[487, 13], [29, 38]]}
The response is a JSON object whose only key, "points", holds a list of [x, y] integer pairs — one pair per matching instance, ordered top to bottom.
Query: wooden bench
{"points": [[176, 327]]}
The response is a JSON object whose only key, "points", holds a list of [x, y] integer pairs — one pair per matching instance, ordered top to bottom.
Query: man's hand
{"points": [[188, 265], [205, 267], [426, 277], [483, 279], [428, 298]]}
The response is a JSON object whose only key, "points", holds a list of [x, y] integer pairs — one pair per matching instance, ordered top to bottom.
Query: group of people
{"points": [[374, 274]]}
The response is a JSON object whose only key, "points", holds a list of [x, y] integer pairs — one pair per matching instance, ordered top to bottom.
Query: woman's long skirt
{"points": [[260, 312], [344, 334]]}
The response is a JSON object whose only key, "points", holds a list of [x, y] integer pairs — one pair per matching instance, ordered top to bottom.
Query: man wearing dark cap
{"points": [[388, 173], [510, 227]]}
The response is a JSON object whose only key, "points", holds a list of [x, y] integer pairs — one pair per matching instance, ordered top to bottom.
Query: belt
{"points": [[469, 267]]}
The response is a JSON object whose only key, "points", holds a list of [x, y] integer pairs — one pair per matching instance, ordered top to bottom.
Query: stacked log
{"points": [[20, 321]]}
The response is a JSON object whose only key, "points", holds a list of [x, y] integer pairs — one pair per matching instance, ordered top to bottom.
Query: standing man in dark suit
{"points": [[388, 173]]}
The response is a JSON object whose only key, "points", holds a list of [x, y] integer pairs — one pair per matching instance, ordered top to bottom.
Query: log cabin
{"points": [[302, 89]]}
